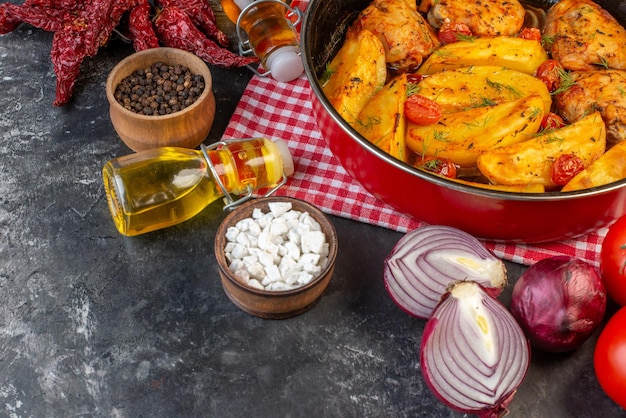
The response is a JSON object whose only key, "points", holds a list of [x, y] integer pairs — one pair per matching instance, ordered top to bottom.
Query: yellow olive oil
{"points": [[267, 28], [161, 187]]}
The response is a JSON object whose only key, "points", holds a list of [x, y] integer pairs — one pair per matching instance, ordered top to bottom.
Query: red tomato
{"points": [[451, 32], [532, 34], [550, 73], [414, 78], [422, 110], [552, 121], [441, 166], [565, 167], [613, 261], [609, 359]]}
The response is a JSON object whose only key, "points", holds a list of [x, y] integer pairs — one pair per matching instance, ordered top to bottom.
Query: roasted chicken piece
{"points": [[484, 17], [406, 36], [584, 36], [601, 90]]}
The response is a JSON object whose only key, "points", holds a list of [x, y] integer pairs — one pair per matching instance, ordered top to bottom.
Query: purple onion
{"points": [[427, 260], [559, 302], [473, 354]]}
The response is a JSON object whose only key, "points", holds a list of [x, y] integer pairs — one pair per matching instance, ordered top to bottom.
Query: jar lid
{"points": [[285, 64], [285, 156]]}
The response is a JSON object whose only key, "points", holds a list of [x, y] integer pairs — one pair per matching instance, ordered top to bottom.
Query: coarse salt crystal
{"points": [[279, 208], [257, 213], [265, 220], [254, 228], [278, 229], [231, 233], [243, 239], [313, 242], [293, 249], [238, 251], [266, 259], [256, 270], [273, 273], [304, 278], [256, 284], [277, 286]]}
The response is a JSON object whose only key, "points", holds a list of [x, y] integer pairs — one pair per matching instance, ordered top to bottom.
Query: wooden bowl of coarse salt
{"points": [[276, 256]]}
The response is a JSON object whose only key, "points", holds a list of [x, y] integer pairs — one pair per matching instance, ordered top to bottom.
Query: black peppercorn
{"points": [[159, 89]]}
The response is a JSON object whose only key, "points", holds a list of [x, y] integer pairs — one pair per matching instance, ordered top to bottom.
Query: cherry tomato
{"points": [[451, 32], [532, 34], [550, 72], [414, 78], [422, 110], [552, 121], [441, 166], [565, 167], [613, 261], [609, 359]]}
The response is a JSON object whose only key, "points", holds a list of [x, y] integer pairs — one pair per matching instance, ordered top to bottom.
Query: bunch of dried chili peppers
{"points": [[82, 27]]}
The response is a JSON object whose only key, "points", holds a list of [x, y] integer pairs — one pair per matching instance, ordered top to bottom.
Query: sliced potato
{"points": [[519, 54], [356, 73], [482, 85], [382, 120], [463, 136], [531, 161], [610, 167]]}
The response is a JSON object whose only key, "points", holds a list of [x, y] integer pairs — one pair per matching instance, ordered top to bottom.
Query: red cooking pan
{"points": [[496, 215]]}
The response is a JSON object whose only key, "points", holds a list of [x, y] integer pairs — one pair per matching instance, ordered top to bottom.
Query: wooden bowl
{"points": [[187, 128], [266, 303]]}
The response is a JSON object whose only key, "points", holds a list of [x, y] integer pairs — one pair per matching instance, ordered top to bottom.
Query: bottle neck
{"points": [[244, 166]]}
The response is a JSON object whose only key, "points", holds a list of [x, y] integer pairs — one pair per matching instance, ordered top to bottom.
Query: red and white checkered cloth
{"points": [[283, 110]]}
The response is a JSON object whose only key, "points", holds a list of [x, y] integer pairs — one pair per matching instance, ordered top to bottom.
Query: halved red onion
{"points": [[427, 260], [473, 354]]}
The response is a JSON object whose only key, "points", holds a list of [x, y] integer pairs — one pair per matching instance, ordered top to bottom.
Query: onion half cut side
{"points": [[426, 260], [473, 354]]}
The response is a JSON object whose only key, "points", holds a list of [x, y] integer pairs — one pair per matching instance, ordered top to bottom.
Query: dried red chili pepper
{"points": [[56, 4], [102, 16], [202, 16], [46, 18], [8, 21], [140, 27], [175, 29], [81, 38], [68, 52]]}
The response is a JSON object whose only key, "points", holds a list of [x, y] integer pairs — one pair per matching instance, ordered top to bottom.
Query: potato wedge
{"points": [[519, 54], [356, 73], [463, 88], [382, 120], [463, 136], [531, 161], [610, 167]]}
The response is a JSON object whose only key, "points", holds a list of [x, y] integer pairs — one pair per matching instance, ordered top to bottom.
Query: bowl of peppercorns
{"points": [[161, 97]]}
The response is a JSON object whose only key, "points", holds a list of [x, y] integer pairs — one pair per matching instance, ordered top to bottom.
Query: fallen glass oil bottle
{"points": [[161, 187]]}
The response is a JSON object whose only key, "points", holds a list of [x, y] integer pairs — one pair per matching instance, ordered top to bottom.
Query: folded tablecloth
{"points": [[284, 110]]}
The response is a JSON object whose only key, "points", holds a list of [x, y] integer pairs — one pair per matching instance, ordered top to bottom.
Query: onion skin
{"points": [[426, 260], [559, 302], [473, 354]]}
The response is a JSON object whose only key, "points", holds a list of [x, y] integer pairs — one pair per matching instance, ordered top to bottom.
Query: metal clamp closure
{"points": [[293, 15], [231, 203]]}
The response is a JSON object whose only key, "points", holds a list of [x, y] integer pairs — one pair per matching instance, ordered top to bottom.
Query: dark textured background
{"points": [[96, 324]]}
